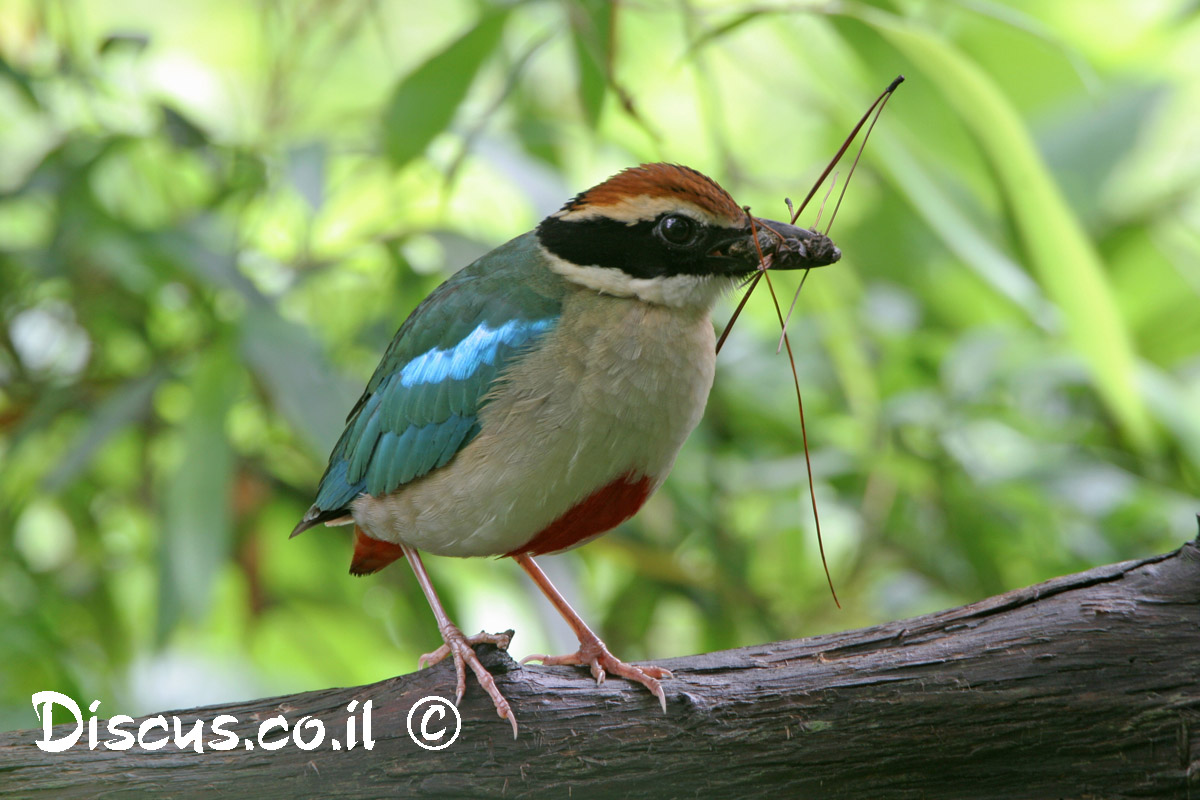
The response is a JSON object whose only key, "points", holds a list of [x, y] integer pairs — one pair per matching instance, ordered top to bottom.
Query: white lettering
{"points": [[46, 714], [441, 714], [273, 722], [149, 724], [318, 729], [124, 732], [93, 737], [193, 738], [230, 739], [126, 741], [368, 742]]}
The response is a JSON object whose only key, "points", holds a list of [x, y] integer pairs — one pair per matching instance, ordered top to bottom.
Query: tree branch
{"points": [[1083, 686]]}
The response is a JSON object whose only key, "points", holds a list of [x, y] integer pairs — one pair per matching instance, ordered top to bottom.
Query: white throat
{"points": [[677, 291]]}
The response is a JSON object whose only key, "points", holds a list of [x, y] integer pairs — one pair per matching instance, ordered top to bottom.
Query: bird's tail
{"points": [[315, 516], [372, 555]]}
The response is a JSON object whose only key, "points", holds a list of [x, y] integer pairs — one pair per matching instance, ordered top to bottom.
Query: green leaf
{"points": [[711, 35], [591, 37], [135, 43], [20, 82], [424, 102], [180, 129], [1086, 142], [306, 169], [965, 238], [201, 249], [1067, 264], [298, 378], [1175, 405], [120, 408], [197, 525]]}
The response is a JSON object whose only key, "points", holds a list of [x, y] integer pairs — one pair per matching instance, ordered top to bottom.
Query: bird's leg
{"points": [[458, 646], [592, 652]]}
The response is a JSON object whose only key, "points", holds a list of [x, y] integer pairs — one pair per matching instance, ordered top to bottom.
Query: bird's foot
{"points": [[501, 640], [461, 649], [592, 653]]}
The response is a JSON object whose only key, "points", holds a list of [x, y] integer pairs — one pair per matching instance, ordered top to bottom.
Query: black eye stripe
{"points": [[636, 249]]}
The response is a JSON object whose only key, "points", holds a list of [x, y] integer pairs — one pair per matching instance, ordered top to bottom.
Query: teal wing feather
{"points": [[422, 405]]}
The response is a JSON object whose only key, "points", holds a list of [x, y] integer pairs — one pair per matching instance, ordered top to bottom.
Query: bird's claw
{"points": [[501, 640], [461, 649], [595, 655]]}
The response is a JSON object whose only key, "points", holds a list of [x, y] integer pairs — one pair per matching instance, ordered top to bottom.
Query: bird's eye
{"points": [[677, 229]]}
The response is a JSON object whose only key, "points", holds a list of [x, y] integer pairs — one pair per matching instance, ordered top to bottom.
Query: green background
{"points": [[214, 215]]}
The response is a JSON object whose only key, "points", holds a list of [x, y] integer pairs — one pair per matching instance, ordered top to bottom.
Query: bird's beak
{"points": [[782, 246]]}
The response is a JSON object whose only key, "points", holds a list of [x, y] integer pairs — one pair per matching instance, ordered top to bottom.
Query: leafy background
{"points": [[214, 215]]}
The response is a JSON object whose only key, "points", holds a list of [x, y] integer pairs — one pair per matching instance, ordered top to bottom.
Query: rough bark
{"points": [[1084, 686]]}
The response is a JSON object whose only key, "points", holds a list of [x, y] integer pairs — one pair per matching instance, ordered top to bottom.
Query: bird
{"points": [[536, 398]]}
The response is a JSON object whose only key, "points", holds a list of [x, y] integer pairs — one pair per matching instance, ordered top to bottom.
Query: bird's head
{"points": [[667, 234]]}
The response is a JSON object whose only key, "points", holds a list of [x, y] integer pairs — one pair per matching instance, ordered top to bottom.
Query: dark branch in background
{"points": [[1084, 686]]}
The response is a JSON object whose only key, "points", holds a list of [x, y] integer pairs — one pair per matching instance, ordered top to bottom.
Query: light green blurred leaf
{"points": [[1030, 24], [711, 35], [591, 36], [130, 42], [20, 81], [423, 103], [181, 130], [1085, 143], [306, 167], [960, 233], [202, 250], [1066, 262], [297, 377], [123, 406], [1176, 406], [195, 538]]}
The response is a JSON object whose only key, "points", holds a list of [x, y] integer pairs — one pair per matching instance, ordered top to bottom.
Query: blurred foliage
{"points": [[214, 215]]}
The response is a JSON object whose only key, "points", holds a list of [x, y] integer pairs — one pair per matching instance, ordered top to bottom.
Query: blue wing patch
{"points": [[479, 349], [422, 404], [418, 418]]}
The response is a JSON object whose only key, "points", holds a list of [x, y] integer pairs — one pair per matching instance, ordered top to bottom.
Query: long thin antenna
{"points": [[845, 145], [857, 156], [824, 200], [761, 273], [791, 308], [812, 490]]}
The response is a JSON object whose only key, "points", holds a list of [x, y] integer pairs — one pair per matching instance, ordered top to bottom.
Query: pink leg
{"points": [[459, 646], [592, 652]]}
